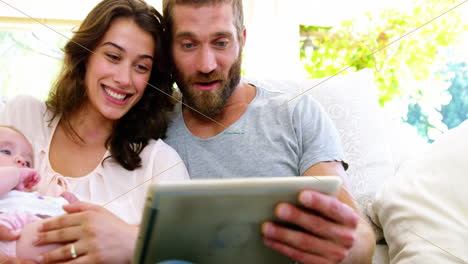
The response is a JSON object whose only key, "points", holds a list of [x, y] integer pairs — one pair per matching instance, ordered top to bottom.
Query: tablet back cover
{"points": [[212, 223]]}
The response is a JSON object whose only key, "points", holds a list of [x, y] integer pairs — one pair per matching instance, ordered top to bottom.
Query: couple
{"points": [[99, 133]]}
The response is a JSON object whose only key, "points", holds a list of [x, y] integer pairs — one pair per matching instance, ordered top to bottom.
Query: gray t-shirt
{"points": [[276, 136]]}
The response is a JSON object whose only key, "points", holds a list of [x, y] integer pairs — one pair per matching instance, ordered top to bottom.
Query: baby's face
{"points": [[15, 149]]}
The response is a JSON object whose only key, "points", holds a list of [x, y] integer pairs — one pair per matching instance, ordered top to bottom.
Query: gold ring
{"points": [[73, 251]]}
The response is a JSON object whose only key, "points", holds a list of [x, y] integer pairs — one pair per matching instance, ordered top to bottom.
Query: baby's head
{"points": [[15, 149]]}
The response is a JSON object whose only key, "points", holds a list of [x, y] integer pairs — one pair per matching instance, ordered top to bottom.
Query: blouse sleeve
{"points": [[160, 162], [168, 165]]}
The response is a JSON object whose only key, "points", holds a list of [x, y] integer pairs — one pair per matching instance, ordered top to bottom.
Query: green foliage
{"points": [[362, 43]]}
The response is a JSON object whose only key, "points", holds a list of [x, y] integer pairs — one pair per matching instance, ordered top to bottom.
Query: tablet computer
{"points": [[217, 220]]}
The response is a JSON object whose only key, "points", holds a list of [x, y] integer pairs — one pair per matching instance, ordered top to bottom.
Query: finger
{"points": [[37, 178], [32, 182], [28, 186], [70, 197], [80, 207], [330, 207], [62, 221], [316, 224], [8, 234], [63, 235], [303, 242], [62, 254], [296, 254], [80, 260], [23, 261]]}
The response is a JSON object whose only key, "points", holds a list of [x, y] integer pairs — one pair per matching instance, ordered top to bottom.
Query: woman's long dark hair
{"points": [[147, 119]]}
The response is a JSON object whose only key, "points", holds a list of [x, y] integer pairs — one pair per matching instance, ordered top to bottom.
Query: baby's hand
{"points": [[28, 178]]}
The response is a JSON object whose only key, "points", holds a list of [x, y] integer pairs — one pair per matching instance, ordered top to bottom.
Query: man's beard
{"points": [[209, 103]]}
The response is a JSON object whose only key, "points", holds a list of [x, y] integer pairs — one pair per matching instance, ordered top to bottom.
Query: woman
{"points": [[94, 136]]}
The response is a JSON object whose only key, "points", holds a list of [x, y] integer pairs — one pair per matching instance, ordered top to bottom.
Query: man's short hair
{"points": [[237, 10]]}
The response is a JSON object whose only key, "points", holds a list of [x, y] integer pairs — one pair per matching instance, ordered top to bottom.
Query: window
{"points": [[31, 55], [422, 77]]}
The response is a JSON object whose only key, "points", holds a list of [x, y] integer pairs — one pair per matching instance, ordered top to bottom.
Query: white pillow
{"points": [[351, 102], [424, 209]]}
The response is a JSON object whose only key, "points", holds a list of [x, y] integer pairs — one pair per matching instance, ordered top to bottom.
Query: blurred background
{"points": [[422, 77]]}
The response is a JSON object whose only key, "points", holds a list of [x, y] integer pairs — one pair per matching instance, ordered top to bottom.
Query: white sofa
{"points": [[371, 141], [423, 209]]}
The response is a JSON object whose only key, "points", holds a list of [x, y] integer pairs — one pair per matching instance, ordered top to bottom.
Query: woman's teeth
{"points": [[114, 94]]}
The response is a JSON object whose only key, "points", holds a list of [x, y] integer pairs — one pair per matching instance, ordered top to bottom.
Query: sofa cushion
{"points": [[351, 102], [424, 210], [380, 254]]}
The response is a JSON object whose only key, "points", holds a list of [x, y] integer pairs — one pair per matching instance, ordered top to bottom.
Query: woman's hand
{"points": [[92, 232]]}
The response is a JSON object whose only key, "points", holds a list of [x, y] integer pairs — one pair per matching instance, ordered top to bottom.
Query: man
{"points": [[229, 128]]}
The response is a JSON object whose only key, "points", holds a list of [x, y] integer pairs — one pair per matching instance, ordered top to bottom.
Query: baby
{"points": [[20, 207]]}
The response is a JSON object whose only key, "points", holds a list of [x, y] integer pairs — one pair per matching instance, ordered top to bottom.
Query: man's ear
{"points": [[244, 35]]}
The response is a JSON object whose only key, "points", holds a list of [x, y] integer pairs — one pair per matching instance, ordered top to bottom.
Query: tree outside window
{"points": [[423, 73]]}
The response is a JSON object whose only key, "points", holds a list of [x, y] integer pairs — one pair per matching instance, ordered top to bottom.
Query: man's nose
{"points": [[206, 61], [19, 162]]}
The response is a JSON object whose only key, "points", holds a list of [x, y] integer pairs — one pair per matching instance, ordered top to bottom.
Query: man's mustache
{"points": [[207, 77]]}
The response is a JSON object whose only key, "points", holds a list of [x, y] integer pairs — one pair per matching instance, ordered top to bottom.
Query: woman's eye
{"points": [[112, 57], [142, 68], [5, 151], [28, 164]]}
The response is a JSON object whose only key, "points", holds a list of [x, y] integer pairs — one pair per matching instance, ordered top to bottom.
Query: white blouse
{"points": [[121, 191]]}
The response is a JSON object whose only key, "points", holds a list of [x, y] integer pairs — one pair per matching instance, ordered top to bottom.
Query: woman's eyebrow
{"points": [[114, 45], [143, 56]]}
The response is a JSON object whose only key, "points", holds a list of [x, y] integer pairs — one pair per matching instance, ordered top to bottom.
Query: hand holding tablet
{"points": [[218, 220], [321, 230]]}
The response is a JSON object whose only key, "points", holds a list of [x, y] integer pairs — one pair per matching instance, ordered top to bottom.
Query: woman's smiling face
{"points": [[118, 70]]}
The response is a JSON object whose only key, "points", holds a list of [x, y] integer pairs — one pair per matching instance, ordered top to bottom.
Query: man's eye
{"points": [[222, 44], [188, 45], [5, 151]]}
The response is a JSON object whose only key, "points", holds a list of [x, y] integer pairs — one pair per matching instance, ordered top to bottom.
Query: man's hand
{"points": [[329, 229]]}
